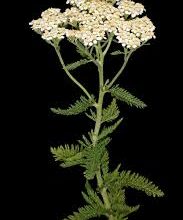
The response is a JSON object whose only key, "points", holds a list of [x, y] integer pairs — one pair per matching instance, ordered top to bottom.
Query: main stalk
{"points": [[99, 108]]}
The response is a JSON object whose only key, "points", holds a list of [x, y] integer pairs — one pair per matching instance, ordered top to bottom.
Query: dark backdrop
{"points": [[140, 144]]}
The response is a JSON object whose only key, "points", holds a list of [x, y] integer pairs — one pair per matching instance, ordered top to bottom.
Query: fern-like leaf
{"points": [[80, 48], [83, 52], [117, 52], [77, 64], [125, 96], [78, 107], [111, 112], [92, 115], [108, 130], [85, 141], [68, 155], [93, 156], [105, 163], [112, 177], [138, 182], [117, 195], [92, 198], [95, 207], [126, 210], [84, 213]]}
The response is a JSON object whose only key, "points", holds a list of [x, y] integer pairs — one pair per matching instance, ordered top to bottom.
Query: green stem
{"points": [[104, 44], [109, 44], [57, 49], [126, 59], [99, 105], [98, 123], [103, 190], [104, 194]]}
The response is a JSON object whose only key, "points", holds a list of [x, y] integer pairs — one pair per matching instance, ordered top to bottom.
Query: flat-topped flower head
{"points": [[128, 7], [91, 21], [49, 25]]}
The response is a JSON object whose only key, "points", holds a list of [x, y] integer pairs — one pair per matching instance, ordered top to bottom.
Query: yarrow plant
{"points": [[92, 26]]}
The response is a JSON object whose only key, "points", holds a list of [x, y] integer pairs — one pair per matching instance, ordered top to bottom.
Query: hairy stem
{"points": [[109, 43], [57, 49], [126, 59], [100, 97], [98, 123], [104, 194]]}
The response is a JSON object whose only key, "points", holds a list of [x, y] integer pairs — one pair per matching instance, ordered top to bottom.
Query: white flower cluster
{"points": [[128, 7], [90, 20], [50, 24], [133, 32]]}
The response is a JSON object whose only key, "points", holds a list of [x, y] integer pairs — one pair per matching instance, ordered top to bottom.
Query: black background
{"points": [[141, 144]]}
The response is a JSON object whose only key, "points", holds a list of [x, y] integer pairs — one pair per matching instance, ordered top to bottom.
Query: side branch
{"points": [[109, 44], [57, 49], [126, 59]]}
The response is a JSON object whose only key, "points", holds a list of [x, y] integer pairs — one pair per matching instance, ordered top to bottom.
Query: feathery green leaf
{"points": [[80, 48], [83, 52], [117, 52], [77, 64], [125, 96], [78, 107], [111, 112], [92, 115], [108, 130], [85, 141], [68, 155], [93, 158], [105, 163], [111, 177], [133, 180], [117, 195], [91, 197], [95, 207], [125, 210], [84, 213]]}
